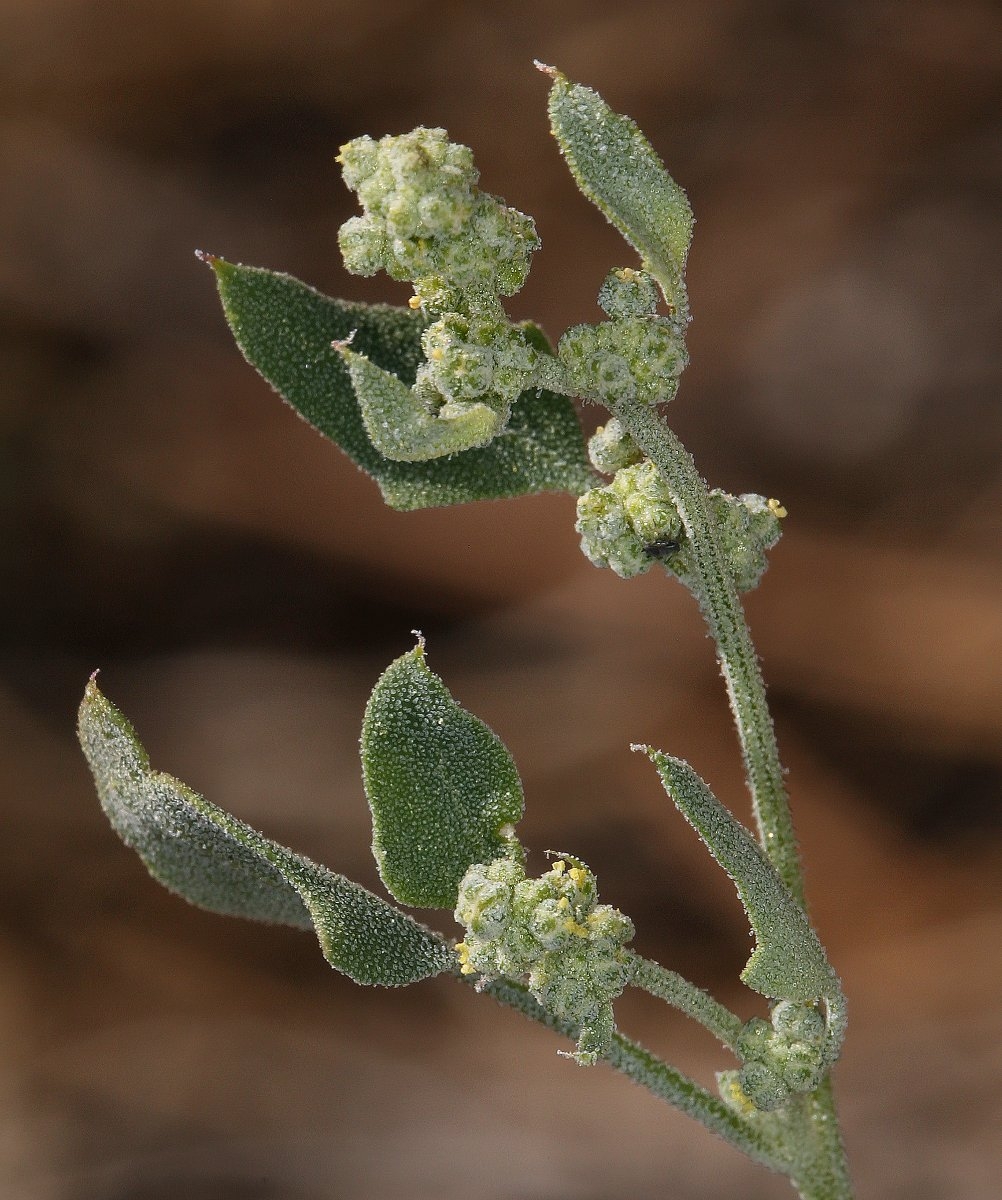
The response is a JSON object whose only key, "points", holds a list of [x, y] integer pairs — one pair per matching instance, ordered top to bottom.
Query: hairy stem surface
{"points": [[735, 652], [677, 991]]}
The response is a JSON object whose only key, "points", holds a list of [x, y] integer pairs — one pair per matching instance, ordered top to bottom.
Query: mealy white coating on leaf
{"points": [[443, 789], [217, 862], [789, 962]]}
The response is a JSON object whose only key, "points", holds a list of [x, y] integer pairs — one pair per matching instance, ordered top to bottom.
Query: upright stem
{"points": [[725, 618]]}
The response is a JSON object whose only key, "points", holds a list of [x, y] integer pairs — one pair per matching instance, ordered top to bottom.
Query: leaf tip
{"points": [[553, 73], [206, 257], [418, 650]]}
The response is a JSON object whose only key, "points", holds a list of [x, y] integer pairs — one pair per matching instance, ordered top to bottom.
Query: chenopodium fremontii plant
{"points": [[447, 401]]}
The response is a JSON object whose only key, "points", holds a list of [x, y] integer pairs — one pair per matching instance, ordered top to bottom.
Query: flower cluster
{"points": [[426, 221], [635, 355], [468, 358], [618, 522], [632, 522], [552, 930], [781, 1058]]}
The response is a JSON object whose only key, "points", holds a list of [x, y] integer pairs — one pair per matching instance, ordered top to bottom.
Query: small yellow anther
{"points": [[414, 302], [437, 354], [777, 509], [559, 867], [578, 875], [563, 904], [573, 927], [463, 951]]}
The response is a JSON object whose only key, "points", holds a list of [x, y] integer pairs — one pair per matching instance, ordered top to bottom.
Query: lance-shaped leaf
{"points": [[616, 167], [286, 330], [401, 427], [441, 785], [219, 863], [789, 962]]}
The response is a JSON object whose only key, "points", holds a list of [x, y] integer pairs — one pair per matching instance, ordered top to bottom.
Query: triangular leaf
{"points": [[616, 167], [285, 330], [441, 785], [219, 863], [789, 962]]}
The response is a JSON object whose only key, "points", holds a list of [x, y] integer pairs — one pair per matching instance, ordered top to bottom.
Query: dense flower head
{"points": [[426, 221], [471, 357], [630, 358], [618, 522], [552, 930], [781, 1058]]}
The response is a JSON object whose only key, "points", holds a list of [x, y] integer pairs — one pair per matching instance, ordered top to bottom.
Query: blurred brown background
{"points": [[166, 519]]}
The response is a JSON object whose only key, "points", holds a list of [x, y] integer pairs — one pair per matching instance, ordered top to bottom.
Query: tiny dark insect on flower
{"points": [[661, 549]]}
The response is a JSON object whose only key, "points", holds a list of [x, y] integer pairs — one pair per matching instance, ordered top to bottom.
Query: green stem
{"points": [[725, 618], [677, 991], [658, 1077], [827, 1177]]}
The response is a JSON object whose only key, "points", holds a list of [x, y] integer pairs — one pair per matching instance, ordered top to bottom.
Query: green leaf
{"points": [[616, 167], [286, 330], [402, 428], [441, 785], [219, 863], [789, 962]]}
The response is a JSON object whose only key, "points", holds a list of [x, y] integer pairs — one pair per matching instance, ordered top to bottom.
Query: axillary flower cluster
{"points": [[554, 931]]}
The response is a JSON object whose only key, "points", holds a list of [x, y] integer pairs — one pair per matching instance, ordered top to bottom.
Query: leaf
{"points": [[616, 167], [285, 330], [399, 425], [441, 785], [217, 862], [789, 962]]}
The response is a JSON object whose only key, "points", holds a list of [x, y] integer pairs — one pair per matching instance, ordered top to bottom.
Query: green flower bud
{"points": [[364, 245], [629, 293], [471, 357], [635, 358], [611, 448], [647, 503], [748, 525], [607, 537], [798, 1022], [755, 1040], [801, 1067], [763, 1086]]}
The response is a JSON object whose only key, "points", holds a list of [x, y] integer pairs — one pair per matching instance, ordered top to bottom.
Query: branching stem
{"points": [[725, 618], [677, 991], [662, 1080]]}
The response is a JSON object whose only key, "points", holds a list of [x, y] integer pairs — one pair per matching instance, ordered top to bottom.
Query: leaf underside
{"points": [[285, 329], [441, 785], [217, 862]]}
